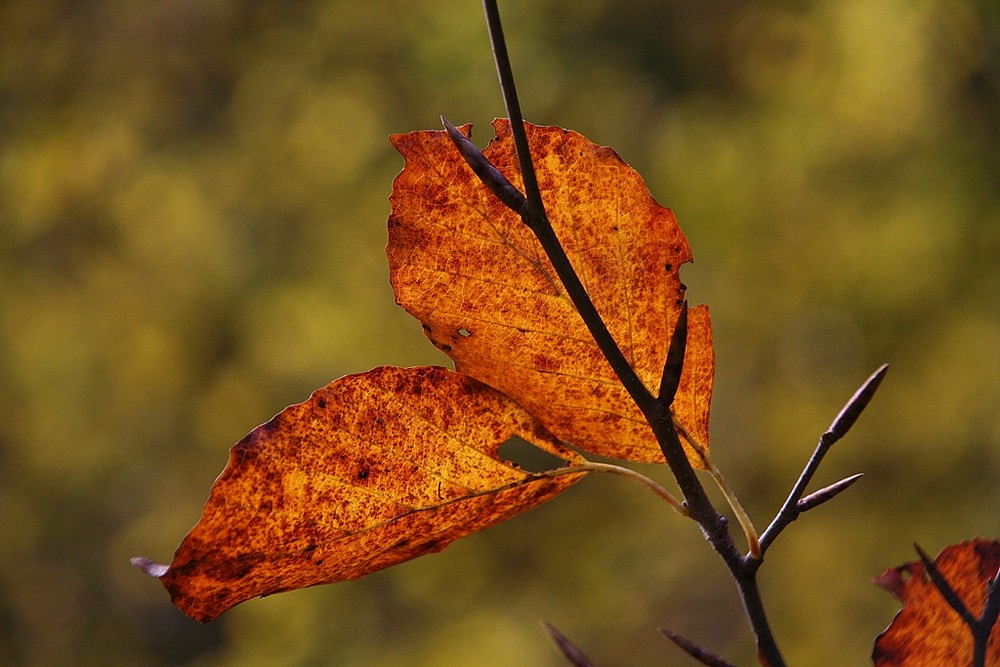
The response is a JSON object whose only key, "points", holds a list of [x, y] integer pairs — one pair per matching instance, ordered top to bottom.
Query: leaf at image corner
{"points": [[927, 631]]}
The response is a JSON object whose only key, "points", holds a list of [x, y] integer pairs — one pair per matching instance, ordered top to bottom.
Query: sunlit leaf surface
{"points": [[479, 282], [374, 469]]}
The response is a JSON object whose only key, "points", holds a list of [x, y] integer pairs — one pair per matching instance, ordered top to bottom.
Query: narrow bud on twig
{"points": [[491, 177], [674, 363], [856, 405], [817, 498], [568, 649], [704, 656]]}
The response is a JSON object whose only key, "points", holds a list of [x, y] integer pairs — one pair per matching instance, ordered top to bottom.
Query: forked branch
{"points": [[795, 504]]}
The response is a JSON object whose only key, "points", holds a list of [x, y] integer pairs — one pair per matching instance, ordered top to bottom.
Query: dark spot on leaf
{"points": [[669, 267], [426, 327], [446, 348], [544, 363], [321, 402], [249, 447], [364, 473], [400, 544], [311, 547], [319, 561], [236, 568]]}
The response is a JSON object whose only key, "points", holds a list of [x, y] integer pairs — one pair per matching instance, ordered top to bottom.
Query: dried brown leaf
{"points": [[479, 282], [374, 469], [928, 631]]}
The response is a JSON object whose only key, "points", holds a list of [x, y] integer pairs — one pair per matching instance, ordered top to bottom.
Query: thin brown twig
{"points": [[841, 424], [571, 652]]}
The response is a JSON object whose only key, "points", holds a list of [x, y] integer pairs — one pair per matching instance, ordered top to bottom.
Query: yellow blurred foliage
{"points": [[192, 228]]}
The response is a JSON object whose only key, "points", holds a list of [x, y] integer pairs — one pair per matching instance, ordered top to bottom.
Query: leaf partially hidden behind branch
{"points": [[475, 276], [374, 469], [928, 631]]}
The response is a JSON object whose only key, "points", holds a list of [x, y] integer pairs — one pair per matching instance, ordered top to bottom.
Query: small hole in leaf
{"points": [[464, 333], [527, 456]]}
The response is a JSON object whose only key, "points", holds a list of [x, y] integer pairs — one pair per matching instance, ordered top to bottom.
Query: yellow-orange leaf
{"points": [[479, 282], [372, 470], [927, 631]]}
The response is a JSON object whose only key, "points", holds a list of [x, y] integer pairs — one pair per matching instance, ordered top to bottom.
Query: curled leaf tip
{"points": [[150, 567]]}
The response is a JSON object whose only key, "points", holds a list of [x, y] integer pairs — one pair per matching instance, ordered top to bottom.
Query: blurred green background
{"points": [[192, 220]]}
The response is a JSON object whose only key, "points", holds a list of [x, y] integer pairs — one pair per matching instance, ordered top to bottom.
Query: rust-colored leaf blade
{"points": [[477, 279], [372, 470], [927, 631]]}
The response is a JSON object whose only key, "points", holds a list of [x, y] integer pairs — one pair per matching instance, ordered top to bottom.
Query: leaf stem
{"points": [[628, 473], [753, 541]]}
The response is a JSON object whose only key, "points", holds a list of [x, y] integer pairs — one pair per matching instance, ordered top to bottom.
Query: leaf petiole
{"points": [[628, 473], [752, 536], [753, 539]]}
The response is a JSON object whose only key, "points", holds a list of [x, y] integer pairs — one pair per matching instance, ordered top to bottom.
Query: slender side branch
{"points": [[506, 75], [491, 177], [670, 379], [844, 420], [817, 498], [947, 592], [702, 655], [576, 657]]}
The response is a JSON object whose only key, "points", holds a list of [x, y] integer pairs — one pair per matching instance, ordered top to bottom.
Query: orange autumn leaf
{"points": [[479, 282], [372, 470], [927, 631]]}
